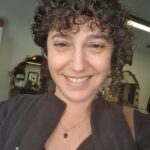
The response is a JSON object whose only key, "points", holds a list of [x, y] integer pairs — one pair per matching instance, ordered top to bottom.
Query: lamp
{"points": [[139, 23]]}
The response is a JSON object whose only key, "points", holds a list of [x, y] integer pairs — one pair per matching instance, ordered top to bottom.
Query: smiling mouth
{"points": [[78, 80]]}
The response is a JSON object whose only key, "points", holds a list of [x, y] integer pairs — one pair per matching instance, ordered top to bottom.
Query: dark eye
{"points": [[61, 44], [97, 46]]}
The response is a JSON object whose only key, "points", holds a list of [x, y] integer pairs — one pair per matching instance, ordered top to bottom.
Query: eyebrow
{"points": [[60, 35], [98, 36]]}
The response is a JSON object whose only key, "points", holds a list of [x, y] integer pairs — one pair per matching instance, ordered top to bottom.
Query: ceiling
{"points": [[139, 8]]}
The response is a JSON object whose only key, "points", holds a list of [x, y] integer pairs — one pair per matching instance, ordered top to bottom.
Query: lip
{"points": [[77, 81]]}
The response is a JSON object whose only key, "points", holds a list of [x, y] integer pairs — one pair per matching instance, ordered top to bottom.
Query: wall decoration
{"points": [[33, 77], [25, 78], [127, 93]]}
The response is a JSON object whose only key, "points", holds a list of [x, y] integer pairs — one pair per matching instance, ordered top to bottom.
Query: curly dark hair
{"points": [[109, 14]]}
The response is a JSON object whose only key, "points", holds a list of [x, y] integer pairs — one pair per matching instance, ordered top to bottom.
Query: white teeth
{"points": [[77, 80]]}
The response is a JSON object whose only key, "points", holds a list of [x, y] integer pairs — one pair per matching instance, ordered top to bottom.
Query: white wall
{"points": [[17, 40]]}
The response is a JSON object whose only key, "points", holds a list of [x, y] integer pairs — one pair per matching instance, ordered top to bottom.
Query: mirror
{"points": [[30, 76], [127, 93]]}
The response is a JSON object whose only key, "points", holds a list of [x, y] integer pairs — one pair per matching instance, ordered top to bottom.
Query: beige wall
{"points": [[17, 40]]}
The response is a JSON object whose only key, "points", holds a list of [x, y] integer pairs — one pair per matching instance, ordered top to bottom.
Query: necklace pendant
{"points": [[65, 135]]}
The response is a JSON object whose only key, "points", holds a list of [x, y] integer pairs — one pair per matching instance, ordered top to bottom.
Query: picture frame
{"points": [[33, 76]]}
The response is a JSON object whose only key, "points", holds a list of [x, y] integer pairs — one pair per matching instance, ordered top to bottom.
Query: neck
{"points": [[78, 109], [75, 111], [75, 114]]}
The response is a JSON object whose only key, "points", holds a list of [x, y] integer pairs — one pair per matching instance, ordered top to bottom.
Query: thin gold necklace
{"points": [[66, 131]]}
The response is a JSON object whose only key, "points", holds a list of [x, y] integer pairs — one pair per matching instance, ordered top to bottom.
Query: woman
{"points": [[83, 40]]}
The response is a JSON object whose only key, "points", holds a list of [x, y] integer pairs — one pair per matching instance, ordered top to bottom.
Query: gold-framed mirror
{"points": [[29, 77], [126, 94]]}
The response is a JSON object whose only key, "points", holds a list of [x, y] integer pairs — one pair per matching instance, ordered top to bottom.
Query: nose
{"points": [[78, 61]]}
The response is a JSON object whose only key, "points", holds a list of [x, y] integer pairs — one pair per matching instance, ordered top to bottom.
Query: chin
{"points": [[79, 97]]}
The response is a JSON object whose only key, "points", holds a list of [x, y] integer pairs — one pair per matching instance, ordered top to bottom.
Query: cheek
{"points": [[56, 62], [102, 63]]}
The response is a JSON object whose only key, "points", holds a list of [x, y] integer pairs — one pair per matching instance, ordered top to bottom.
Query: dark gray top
{"points": [[26, 121], [142, 132]]}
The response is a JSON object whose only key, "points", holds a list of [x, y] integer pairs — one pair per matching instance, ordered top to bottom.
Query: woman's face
{"points": [[78, 62]]}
